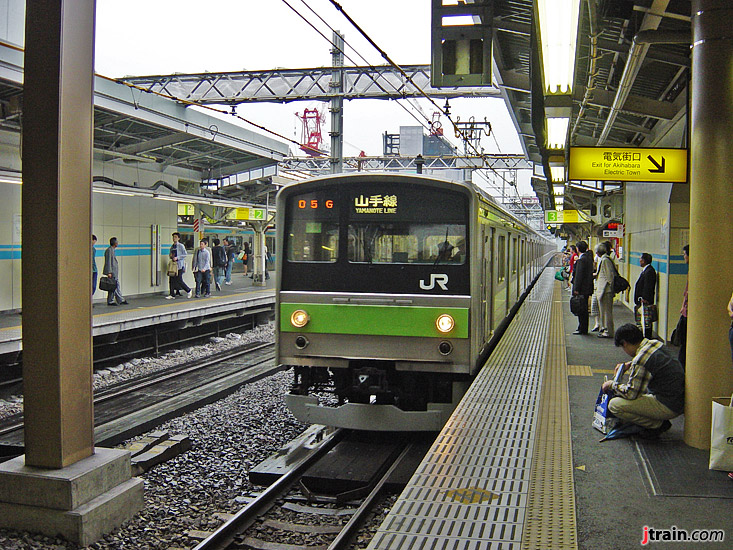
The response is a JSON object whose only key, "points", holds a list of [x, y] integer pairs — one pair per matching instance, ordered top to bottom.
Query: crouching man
{"points": [[655, 390]]}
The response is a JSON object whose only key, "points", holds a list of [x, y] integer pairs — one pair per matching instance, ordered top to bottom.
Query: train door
{"points": [[487, 235], [522, 267], [500, 286]]}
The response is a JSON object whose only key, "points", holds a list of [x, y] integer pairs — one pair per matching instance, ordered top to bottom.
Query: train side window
{"points": [[514, 256], [501, 259]]}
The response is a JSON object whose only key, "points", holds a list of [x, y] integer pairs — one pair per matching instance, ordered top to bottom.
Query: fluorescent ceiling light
{"points": [[460, 20], [558, 35], [557, 131], [557, 173], [558, 190], [114, 192]]}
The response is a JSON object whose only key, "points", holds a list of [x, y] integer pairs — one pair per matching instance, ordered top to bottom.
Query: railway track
{"points": [[135, 406], [289, 515]]}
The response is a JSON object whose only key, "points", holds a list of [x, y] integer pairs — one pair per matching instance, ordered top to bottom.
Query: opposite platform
{"points": [[239, 298]]}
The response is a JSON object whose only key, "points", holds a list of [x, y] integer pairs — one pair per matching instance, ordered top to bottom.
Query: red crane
{"points": [[311, 138]]}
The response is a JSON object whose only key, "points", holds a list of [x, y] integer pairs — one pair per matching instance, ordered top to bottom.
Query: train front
{"points": [[374, 300]]}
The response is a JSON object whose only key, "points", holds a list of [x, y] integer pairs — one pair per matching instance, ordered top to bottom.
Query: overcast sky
{"points": [[138, 38]]}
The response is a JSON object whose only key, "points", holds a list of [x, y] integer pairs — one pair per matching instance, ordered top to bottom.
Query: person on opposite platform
{"points": [[231, 251], [178, 254], [219, 261], [202, 269], [111, 270], [583, 283], [655, 390]]}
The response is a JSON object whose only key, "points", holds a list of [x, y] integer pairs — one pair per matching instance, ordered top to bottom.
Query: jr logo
{"points": [[441, 279]]}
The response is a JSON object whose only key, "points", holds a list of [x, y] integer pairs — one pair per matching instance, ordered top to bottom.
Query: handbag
{"points": [[172, 269], [559, 275], [619, 283], [107, 284], [578, 304], [595, 309], [645, 315], [721, 435]]}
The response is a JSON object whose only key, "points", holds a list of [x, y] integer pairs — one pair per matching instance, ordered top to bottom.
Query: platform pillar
{"points": [[56, 203], [258, 249], [709, 371], [60, 486]]}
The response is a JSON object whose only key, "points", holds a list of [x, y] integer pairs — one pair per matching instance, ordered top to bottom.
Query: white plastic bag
{"points": [[721, 435]]}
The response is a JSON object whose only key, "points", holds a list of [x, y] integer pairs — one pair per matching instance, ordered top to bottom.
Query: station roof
{"points": [[632, 71], [134, 126]]}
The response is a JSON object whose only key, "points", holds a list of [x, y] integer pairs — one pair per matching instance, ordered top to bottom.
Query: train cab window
{"points": [[312, 231], [406, 243]]}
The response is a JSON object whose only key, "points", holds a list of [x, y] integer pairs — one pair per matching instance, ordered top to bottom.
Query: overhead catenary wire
{"points": [[347, 56], [407, 77]]}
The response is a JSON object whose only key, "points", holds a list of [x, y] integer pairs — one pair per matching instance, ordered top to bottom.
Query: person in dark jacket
{"points": [[111, 270], [583, 283], [645, 287], [655, 390]]}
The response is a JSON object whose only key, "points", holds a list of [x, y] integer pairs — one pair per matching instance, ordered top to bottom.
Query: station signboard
{"points": [[628, 164], [246, 214], [556, 217]]}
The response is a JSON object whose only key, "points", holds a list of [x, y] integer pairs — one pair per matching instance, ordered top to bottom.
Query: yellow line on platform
{"points": [[550, 522]]}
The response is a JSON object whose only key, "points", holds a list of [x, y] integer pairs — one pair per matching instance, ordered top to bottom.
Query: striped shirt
{"points": [[653, 371], [639, 376]]}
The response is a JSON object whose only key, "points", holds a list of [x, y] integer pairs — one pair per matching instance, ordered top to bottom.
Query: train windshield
{"points": [[313, 228], [407, 243]]}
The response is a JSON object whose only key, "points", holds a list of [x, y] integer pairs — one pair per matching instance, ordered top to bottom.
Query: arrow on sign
{"points": [[659, 167]]}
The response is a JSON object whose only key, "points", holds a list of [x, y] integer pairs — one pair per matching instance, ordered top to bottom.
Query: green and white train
{"points": [[391, 291]]}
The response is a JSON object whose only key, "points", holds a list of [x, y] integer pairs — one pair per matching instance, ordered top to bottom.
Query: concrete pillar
{"points": [[56, 204], [711, 223], [259, 265], [62, 485]]}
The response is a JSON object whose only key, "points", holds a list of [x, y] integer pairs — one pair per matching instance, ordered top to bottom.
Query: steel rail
{"points": [[152, 379], [224, 536], [344, 538]]}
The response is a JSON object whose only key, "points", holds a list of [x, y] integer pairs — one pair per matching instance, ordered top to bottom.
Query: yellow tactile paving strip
{"points": [[579, 370], [471, 489], [550, 515]]}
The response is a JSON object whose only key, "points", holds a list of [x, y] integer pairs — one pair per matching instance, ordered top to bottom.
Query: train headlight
{"points": [[299, 318], [445, 323]]}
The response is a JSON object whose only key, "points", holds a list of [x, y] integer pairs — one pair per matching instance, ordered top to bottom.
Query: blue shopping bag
{"points": [[603, 419]]}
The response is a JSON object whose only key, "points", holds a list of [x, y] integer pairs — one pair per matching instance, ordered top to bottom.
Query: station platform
{"points": [[239, 298], [519, 466]]}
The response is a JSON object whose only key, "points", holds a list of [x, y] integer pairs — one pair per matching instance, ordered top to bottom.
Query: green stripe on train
{"points": [[375, 320]]}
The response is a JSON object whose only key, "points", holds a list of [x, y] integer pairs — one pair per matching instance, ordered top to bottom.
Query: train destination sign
{"points": [[628, 164], [555, 217]]}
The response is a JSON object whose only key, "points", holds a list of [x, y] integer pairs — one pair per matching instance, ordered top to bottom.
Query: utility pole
{"points": [[337, 104]]}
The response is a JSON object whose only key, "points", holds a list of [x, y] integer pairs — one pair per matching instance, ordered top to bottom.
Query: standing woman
{"points": [[604, 291]]}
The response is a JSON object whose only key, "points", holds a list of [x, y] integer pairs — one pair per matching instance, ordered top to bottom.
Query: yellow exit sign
{"points": [[628, 164]]}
